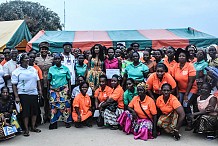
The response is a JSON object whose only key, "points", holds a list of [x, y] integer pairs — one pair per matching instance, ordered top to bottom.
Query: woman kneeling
{"points": [[172, 112], [82, 114], [141, 117]]}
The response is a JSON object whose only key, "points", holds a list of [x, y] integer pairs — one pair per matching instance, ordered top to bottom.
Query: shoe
{"points": [[67, 125], [53, 126], [115, 127], [188, 128], [35, 130], [26, 133]]}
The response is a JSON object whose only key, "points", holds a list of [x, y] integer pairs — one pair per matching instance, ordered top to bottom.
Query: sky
{"points": [[136, 14]]}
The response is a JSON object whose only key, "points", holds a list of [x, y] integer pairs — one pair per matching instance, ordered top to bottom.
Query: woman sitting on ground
{"points": [[130, 92], [114, 104], [172, 112], [82, 114], [7, 115], [141, 117], [205, 121]]}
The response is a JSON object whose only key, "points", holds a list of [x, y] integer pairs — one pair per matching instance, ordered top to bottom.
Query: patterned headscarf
{"points": [[144, 85]]}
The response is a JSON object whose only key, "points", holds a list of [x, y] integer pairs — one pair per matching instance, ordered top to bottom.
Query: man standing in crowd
{"points": [[6, 52], [44, 61], [69, 61], [9, 67]]}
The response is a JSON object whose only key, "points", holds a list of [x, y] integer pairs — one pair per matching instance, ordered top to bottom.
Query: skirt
{"points": [[60, 105], [110, 118], [168, 122], [206, 124], [141, 128], [7, 132]]}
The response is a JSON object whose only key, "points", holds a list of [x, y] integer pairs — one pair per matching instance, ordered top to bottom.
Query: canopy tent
{"points": [[14, 34], [155, 38]]}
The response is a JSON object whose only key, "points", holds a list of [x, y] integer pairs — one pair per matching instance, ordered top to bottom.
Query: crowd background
{"points": [[140, 92]]}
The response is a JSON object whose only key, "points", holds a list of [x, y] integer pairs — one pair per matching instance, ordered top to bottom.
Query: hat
{"points": [[44, 45]]}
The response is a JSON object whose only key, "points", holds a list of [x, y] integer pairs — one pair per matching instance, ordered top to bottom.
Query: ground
{"points": [[100, 137]]}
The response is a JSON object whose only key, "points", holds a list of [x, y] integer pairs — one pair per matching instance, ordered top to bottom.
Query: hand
{"points": [[90, 57], [40, 93], [186, 98], [17, 99], [134, 115], [79, 118]]}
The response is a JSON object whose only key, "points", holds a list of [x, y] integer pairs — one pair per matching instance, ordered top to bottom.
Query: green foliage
{"points": [[37, 17]]}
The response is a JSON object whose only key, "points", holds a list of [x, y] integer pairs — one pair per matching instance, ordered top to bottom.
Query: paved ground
{"points": [[100, 137]]}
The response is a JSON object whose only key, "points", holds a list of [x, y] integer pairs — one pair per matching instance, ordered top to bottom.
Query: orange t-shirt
{"points": [[193, 61], [3, 62], [169, 65], [39, 71], [181, 76], [155, 84], [102, 95], [117, 95], [147, 104], [84, 105], [166, 108]]}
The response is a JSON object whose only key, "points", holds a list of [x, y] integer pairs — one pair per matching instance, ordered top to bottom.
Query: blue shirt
{"points": [[200, 67]]}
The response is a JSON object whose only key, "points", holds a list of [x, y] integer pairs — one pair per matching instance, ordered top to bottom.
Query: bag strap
{"points": [[145, 113]]}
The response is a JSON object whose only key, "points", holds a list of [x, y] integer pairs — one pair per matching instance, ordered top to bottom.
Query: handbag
{"points": [[112, 107], [145, 113]]}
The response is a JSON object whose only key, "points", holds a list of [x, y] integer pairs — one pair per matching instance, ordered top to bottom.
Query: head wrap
{"points": [[144, 85]]}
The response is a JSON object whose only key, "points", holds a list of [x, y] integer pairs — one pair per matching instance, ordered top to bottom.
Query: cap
{"points": [[44, 45]]}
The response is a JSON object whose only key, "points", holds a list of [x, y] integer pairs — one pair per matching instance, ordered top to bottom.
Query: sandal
{"points": [[114, 127], [35, 130], [26, 133]]}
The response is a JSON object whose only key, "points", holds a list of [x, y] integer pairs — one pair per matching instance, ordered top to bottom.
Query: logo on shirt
{"points": [[185, 72], [145, 107]]}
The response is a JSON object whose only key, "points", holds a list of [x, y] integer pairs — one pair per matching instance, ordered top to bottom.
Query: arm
{"points": [[119, 65], [124, 79], [191, 80], [39, 88], [69, 88], [151, 94], [17, 99], [132, 112], [78, 113], [181, 116], [154, 130]]}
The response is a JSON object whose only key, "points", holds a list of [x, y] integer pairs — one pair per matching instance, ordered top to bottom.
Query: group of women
{"points": [[145, 94]]}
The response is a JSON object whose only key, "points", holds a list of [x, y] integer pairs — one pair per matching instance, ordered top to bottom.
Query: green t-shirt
{"points": [[80, 70], [58, 76], [128, 96]]}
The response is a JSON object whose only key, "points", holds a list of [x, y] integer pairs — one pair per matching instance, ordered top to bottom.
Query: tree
{"points": [[37, 17]]}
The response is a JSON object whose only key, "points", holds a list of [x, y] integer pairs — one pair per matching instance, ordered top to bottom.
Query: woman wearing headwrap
{"points": [[60, 93], [141, 115]]}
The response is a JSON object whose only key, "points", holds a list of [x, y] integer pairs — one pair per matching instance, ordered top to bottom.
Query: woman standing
{"points": [[191, 49], [212, 51], [169, 61], [148, 62], [95, 66], [80, 67], [136, 70], [184, 73], [157, 79], [26, 87], [60, 93], [114, 104], [172, 112], [82, 113], [143, 116], [206, 121]]}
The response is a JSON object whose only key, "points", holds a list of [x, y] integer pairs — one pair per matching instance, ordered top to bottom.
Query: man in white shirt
{"points": [[69, 61], [9, 67]]}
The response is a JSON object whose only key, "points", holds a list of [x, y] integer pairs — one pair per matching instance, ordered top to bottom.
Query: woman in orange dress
{"points": [[82, 114]]}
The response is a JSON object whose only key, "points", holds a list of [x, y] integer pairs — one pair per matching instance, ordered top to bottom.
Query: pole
{"points": [[64, 16]]}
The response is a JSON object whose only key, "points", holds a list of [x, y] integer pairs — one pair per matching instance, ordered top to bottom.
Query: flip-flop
{"points": [[35, 130], [26, 133]]}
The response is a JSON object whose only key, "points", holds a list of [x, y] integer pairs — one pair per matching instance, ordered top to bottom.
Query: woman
{"points": [[191, 49], [212, 51], [76, 53], [86, 53], [158, 55], [44, 61], [127, 61], [169, 61], [111, 62], [148, 62], [200, 65], [95, 66], [80, 67], [136, 70], [184, 73], [157, 79], [2, 82], [27, 88], [60, 89], [103, 92], [130, 92], [114, 104], [172, 112], [82, 114], [7, 115], [141, 117], [206, 120]]}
